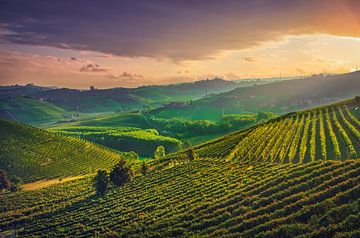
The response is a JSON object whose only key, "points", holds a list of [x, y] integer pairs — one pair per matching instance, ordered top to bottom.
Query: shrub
{"points": [[121, 173], [101, 182]]}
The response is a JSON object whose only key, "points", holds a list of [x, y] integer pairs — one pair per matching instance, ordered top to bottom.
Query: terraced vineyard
{"points": [[327, 133], [125, 139], [33, 154], [294, 176], [202, 198]]}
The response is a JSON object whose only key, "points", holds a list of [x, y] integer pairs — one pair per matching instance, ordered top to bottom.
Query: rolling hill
{"points": [[279, 97], [128, 99], [38, 105], [31, 111], [328, 133], [125, 139], [33, 154], [286, 177]]}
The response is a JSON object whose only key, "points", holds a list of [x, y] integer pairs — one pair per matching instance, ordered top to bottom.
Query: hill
{"points": [[19, 90], [278, 97], [128, 99], [38, 105], [31, 111], [328, 132], [126, 139], [33, 154], [265, 181], [201, 198]]}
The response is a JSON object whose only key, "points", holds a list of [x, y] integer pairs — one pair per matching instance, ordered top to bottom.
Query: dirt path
{"points": [[48, 182]]}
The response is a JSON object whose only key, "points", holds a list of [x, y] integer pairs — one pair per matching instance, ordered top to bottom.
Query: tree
{"points": [[159, 152], [133, 155], [191, 155], [144, 168], [121, 173], [4, 182], [101, 182], [15, 183]]}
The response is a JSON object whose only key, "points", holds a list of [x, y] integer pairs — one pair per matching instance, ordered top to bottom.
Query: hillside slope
{"points": [[279, 97], [128, 99], [31, 111], [328, 132], [32, 154], [201, 198]]}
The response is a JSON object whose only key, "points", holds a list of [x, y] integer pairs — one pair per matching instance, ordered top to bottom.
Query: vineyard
{"points": [[326, 133], [142, 141], [33, 154], [293, 176], [202, 198]]}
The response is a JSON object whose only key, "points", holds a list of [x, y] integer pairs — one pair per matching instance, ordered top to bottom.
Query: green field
{"points": [[32, 111], [144, 142]]}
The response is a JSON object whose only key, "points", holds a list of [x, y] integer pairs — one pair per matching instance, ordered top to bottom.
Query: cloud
{"points": [[178, 30], [249, 59], [95, 68], [126, 76]]}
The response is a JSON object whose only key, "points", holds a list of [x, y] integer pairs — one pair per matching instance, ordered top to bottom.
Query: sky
{"points": [[126, 43]]}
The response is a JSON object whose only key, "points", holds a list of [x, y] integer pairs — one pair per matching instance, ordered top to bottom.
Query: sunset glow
{"points": [[119, 44]]}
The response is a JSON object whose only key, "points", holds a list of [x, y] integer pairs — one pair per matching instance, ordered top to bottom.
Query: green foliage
{"points": [[159, 153], [121, 173], [101, 182]]}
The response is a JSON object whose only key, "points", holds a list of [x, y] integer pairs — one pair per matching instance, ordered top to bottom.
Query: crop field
{"points": [[326, 133], [125, 139], [34, 154], [202, 198]]}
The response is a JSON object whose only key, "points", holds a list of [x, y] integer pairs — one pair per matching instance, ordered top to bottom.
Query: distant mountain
{"points": [[19, 90], [279, 97], [119, 99]]}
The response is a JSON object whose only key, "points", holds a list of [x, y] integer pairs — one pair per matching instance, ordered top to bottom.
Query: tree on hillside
{"points": [[159, 152], [131, 155], [191, 155], [144, 168], [121, 173], [4, 182], [101, 182], [15, 184]]}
